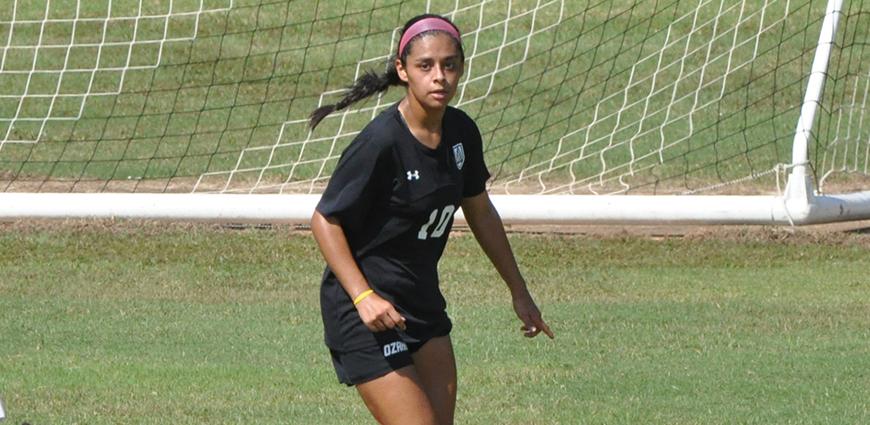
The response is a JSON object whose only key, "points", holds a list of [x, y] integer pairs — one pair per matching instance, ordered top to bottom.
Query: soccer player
{"points": [[382, 225]]}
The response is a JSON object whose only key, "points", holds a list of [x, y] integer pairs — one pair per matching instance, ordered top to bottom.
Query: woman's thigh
{"points": [[436, 368], [398, 398]]}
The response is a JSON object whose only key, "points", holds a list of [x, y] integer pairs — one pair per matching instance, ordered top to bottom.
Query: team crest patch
{"points": [[459, 155]]}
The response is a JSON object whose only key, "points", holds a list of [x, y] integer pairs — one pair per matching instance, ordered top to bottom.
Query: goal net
{"points": [[573, 97]]}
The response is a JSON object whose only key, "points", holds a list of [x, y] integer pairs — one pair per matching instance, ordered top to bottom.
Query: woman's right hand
{"points": [[379, 314]]}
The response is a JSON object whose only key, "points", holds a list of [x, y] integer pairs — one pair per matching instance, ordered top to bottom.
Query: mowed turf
{"points": [[158, 323]]}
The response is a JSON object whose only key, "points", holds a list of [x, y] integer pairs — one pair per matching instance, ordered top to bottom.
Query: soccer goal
{"points": [[610, 111]]}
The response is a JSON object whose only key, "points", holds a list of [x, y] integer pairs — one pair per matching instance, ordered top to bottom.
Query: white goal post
{"points": [[197, 110]]}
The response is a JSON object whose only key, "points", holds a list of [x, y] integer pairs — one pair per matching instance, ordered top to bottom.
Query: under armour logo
{"points": [[414, 176]]}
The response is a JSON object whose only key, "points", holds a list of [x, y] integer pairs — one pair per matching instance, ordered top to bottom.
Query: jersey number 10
{"points": [[424, 234]]}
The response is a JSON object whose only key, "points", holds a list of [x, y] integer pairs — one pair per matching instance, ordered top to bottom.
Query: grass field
{"points": [[156, 323]]}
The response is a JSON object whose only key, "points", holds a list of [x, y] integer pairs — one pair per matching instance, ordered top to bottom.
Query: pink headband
{"points": [[427, 24]]}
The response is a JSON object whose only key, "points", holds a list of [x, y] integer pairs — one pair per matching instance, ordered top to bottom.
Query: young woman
{"points": [[382, 225]]}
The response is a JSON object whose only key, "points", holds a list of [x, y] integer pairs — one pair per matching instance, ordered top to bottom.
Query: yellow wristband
{"points": [[362, 296]]}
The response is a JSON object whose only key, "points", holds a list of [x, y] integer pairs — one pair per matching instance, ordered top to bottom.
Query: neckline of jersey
{"points": [[420, 145]]}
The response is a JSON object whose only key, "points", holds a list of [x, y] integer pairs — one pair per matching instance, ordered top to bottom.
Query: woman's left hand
{"points": [[528, 312]]}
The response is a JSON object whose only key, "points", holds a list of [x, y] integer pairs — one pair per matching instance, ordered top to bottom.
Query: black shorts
{"points": [[390, 353]]}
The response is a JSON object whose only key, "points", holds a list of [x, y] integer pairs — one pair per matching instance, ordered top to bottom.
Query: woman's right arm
{"points": [[377, 313]]}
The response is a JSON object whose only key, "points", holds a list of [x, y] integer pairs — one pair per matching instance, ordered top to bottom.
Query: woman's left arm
{"points": [[488, 229]]}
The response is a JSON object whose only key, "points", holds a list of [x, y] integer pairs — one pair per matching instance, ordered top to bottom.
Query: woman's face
{"points": [[432, 70]]}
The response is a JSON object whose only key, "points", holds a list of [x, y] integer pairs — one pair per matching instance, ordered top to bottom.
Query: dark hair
{"points": [[371, 83]]}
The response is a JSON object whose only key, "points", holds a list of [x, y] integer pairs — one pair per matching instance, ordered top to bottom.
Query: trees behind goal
{"points": [[717, 101]]}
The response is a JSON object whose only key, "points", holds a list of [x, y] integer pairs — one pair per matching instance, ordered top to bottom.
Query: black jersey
{"points": [[395, 199]]}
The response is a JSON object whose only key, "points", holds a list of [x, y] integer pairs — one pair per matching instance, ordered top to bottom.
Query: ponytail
{"points": [[370, 83], [367, 85]]}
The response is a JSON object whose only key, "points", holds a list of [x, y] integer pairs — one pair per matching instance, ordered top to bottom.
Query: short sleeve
{"points": [[476, 175], [356, 183]]}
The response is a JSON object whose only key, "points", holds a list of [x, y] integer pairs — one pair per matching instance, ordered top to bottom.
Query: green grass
{"points": [[155, 323]]}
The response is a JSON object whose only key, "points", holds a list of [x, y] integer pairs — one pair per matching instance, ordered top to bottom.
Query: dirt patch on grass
{"points": [[144, 227], [854, 232], [851, 233]]}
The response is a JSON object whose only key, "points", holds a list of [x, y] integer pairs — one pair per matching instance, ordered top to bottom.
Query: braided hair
{"points": [[371, 83]]}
